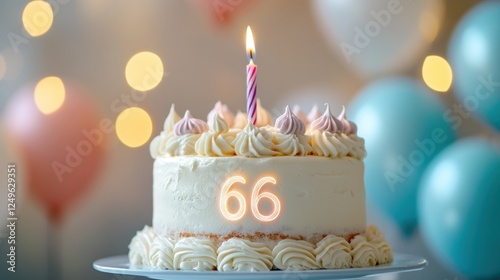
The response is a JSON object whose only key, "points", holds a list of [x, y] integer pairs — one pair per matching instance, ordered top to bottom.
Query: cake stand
{"points": [[121, 265]]}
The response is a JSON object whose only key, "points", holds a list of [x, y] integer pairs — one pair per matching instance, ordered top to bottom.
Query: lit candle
{"points": [[251, 79]]}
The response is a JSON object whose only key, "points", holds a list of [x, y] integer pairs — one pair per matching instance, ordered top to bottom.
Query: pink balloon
{"points": [[222, 12], [62, 151]]}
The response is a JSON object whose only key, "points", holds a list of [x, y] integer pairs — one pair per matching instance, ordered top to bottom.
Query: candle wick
{"points": [[250, 55]]}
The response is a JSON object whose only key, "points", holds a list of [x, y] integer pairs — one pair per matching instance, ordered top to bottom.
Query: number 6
{"points": [[225, 195], [256, 197]]}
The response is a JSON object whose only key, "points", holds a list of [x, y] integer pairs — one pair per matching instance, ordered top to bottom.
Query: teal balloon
{"points": [[474, 53], [404, 129], [459, 206]]}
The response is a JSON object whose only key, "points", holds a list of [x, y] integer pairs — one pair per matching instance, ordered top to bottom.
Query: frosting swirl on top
{"points": [[223, 111], [314, 114], [301, 115], [263, 116], [171, 120], [241, 120], [327, 122], [288, 123], [189, 125], [348, 127], [325, 136], [218, 141], [254, 142], [292, 144], [328, 144], [183, 145], [157, 146], [140, 245], [333, 252], [195, 254], [238, 254], [294, 255]]}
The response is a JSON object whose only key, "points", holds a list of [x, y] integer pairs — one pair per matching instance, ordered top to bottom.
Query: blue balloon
{"points": [[474, 53], [404, 127], [459, 207]]}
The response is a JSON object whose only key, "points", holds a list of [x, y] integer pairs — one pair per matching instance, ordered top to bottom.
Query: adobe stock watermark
{"points": [[221, 7], [38, 21], [364, 35], [485, 88], [427, 147], [75, 155]]}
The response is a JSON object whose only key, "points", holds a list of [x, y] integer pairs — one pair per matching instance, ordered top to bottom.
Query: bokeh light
{"points": [[37, 18], [3, 67], [144, 71], [437, 73], [49, 94], [134, 127]]}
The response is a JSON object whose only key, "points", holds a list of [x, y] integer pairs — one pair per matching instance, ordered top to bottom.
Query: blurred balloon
{"points": [[221, 12], [379, 36], [475, 59], [403, 127], [62, 151], [459, 207]]}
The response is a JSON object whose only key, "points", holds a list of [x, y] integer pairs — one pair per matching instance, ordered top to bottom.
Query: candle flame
{"points": [[250, 44]]}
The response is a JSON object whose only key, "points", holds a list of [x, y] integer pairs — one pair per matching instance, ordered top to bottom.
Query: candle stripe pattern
{"points": [[252, 93]]}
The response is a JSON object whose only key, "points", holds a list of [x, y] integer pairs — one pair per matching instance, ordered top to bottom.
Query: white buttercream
{"points": [[223, 111], [300, 114], [314, 114], [263, 116], [171, 120], [241, 120], [218, 141], [254, 142], [158, 144], [292, 144], [327, 144], [181, 145], [355, 145], [306, 186], [373, 234], [376, 237], [139, 247], [333, 252], [363, 252], [384, 252], [161, 253], [195, 254], [238, 254], [294, 255]]}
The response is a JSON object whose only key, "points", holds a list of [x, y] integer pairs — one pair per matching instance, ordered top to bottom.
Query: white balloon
{"points": [[379, 36]]}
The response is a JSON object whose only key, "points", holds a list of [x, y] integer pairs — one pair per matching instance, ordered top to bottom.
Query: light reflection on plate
{"points": [[401, 263]]}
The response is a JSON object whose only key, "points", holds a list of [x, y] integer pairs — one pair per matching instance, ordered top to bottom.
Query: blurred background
{"points": [[85, 86]]}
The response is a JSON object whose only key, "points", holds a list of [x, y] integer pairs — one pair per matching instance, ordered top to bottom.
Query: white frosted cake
{"points": [[234, 196]]}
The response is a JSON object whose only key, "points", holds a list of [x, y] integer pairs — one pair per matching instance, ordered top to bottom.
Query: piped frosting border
{"points": [[149, 250]]}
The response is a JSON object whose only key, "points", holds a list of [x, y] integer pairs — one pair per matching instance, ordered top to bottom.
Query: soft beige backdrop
{"points": [[91, 42]]}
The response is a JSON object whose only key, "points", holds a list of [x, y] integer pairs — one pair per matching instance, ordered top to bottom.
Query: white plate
{"points": [[401, 263]]}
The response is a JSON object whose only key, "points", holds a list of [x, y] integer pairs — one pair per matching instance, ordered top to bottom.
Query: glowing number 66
{"points": [[256, 197]]}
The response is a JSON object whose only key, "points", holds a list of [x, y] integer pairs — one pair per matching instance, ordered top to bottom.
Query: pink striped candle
{"points": [[251, 79]]}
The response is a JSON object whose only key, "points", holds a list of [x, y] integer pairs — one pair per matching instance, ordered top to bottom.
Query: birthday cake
{"points": [[230, 195]]}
